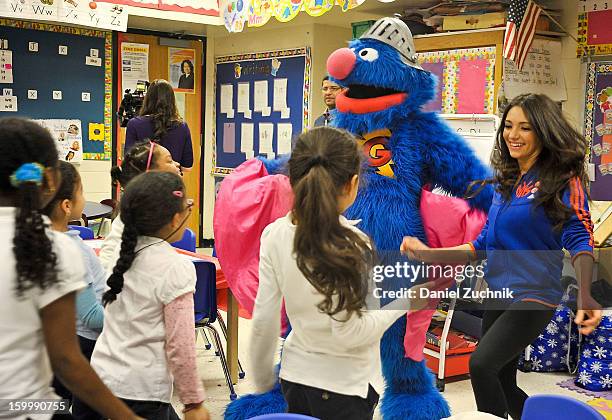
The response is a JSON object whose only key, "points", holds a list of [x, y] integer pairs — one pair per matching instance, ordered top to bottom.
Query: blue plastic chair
{"points": [[84, 232], [188, 242], [205, 305], [558, 407], [283, 416]]}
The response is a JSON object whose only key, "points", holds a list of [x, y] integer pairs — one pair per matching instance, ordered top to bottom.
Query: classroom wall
{"points": [[323, 39], [96, 179]]}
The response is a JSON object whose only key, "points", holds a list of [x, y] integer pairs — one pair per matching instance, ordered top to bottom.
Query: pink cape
{"points": [[249, 200], [448, 221]]}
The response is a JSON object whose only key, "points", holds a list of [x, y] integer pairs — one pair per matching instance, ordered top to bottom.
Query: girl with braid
{"points": [[143, 157], [41, 271], [148, 338]]}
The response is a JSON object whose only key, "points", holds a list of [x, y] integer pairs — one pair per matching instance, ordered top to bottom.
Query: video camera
{"points": [[132, 102]]}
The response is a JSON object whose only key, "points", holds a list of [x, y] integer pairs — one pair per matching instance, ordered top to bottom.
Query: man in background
{"points": [[330, 90]]}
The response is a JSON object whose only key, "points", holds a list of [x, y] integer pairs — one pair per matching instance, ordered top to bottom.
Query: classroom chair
{"points": [[79, 222], [84, 232], [187, 242], [205, 305], [558, 407], [283, 416]]}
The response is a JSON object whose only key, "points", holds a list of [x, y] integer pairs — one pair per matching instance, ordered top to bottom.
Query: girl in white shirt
{"points": [[319, 264], [41, 271], [148, 340]]}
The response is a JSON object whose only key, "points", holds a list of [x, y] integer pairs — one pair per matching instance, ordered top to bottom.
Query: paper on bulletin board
{"points": [[134, 64], [6, 66], [541, 73], [280, 94], [244, 99], [227, 100], [260, 101], [8, 103], [285, 131], [266, 134], [68, 136], [229, 138], [246, 139]]}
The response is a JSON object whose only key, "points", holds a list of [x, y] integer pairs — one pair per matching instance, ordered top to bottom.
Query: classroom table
{"points": [[95, 210], [232, 306]]}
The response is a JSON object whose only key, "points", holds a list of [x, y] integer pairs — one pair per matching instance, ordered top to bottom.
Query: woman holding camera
{"points": [[159, 121]]}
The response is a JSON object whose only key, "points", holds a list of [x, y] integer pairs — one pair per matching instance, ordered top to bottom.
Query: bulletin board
{"points": [[594, 35], [466, 80], [86, 89], [261, 102], [598, 127]]}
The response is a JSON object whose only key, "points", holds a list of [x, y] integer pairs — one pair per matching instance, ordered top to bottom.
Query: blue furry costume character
{"points": [[407, 149]]}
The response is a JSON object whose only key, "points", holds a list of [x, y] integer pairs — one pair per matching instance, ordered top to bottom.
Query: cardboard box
{"points": [[482, 21]]}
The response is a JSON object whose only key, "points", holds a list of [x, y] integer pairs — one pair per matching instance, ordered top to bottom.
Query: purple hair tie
{"points": [[177, 194]]}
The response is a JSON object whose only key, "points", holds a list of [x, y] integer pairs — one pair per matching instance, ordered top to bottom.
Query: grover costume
{"points": [[409, 151]]}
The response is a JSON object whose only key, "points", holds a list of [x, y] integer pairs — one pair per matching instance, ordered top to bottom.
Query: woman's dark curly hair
{"points": [[160, 104], [24, 141], [561, 158], [149, 203], [335, 259]]}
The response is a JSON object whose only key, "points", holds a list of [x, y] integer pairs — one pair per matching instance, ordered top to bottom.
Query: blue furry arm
{"points": [[453, 165], [276, 166]]}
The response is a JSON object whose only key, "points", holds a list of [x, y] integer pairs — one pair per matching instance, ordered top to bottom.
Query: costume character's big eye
{"points": [[368, 54]]}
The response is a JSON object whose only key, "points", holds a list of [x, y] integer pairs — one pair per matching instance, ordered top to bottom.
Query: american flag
{"points": [[520, 29]]}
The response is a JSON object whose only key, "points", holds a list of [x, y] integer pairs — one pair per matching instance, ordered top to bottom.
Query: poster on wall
{"points": [[594, 35], [134, 64], [181, 69], [542, 72], [465, 80], [598, 127], [68, 135]]}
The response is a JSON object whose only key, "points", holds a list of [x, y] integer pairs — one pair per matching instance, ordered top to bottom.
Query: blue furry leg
{"points": [[410, 392], [252, 405]]}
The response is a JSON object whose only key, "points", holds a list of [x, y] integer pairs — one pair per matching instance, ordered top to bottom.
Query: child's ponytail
{"points": [[26, 151], [335, 259], [36, 260]]}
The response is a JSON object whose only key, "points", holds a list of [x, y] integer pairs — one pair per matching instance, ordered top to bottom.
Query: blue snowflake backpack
{"points": [[556, 349], [595, 365]]}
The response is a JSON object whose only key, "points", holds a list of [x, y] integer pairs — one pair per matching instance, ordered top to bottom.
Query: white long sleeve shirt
{"points": [[342, 357]]}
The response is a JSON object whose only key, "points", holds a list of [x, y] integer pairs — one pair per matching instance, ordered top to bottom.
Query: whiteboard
{"points": [[478, 130]]}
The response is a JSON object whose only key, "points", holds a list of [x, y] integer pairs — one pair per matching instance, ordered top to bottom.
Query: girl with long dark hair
{"points": [[160, 122], [539, 208], [319, 263], [41, 271], [148, 341]]}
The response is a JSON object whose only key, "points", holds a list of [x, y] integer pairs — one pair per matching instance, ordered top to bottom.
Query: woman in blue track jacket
{"points": [[539, 208]]}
